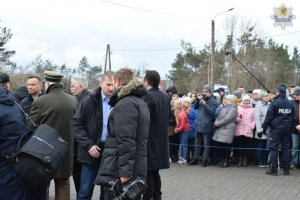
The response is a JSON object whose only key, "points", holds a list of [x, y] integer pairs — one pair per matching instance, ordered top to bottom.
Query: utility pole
{"points": [[213, 44], [107, 57], [212, 59], [208, 70]]}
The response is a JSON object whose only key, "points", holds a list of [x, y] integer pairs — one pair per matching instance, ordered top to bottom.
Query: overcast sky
{"points": [[140, 32]]}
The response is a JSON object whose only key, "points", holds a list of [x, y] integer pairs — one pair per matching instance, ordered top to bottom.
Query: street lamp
{"points": [[212, 57]]}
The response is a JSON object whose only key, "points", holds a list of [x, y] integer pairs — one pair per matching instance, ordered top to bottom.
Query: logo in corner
{"points": [[283, 16]]}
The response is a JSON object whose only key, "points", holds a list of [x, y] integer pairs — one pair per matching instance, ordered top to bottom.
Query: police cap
{"points": [[53, 76]]}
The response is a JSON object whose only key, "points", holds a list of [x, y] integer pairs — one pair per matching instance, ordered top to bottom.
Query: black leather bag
{"points": [[39, 156]]}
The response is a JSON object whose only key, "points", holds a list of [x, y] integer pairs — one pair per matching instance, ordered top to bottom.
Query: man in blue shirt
{"points": [[90, 126]]}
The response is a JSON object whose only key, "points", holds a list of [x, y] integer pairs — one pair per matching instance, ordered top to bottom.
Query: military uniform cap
{"points": [[53, 76]]}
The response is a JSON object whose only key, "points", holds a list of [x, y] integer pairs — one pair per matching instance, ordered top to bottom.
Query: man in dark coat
{"points": [[79, 85], [34, 87], [21, 93], [56, 109], [281, 119], [90, 125], [204, 125], [12, 127], [125, 152], [158, 152]]}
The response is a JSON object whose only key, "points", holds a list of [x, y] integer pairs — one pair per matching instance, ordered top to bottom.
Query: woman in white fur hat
{"points": [[225, 129]]}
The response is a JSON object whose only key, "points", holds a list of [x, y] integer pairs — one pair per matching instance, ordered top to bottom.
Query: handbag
{"points": [[39, 154]]}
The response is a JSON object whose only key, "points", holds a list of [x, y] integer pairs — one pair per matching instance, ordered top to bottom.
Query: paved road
{"points": [[213, 183]]}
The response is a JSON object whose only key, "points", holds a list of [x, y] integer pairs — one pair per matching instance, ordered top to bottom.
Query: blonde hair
{"points": [[232, 98], [189, 101], [177, 111]]}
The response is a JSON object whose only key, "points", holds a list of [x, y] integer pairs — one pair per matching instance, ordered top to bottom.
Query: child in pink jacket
{"points": [[245, 124], [182, 128]]}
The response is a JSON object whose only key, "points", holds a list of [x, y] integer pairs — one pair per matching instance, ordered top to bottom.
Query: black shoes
{"points": [[193, 162], [204, 163], [225, 164], [272, 172], [286, 172]]}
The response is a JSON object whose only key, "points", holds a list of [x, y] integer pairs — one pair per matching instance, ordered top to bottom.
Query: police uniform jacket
{"points": [[280, 114]]}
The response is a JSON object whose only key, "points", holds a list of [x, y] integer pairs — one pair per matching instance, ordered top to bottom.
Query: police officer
{"points": [[281, 118]]}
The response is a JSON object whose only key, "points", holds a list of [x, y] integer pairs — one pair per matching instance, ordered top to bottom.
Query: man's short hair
{"points": [[108, 74], [124, 75], [35, 76], [152, 77], [81, 80]]}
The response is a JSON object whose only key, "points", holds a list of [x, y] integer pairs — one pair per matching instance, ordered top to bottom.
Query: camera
{"points": [[200, 96], [133, 189]]}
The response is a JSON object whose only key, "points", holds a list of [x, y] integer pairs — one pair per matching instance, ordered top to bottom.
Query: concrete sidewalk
{"points": [[213, 183]]}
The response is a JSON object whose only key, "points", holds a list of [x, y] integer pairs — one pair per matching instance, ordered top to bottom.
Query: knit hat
{"points": [[208, 88], [237, 94], [217, 95], [245, 97]]}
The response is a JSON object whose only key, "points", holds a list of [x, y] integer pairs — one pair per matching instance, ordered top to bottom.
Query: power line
{"points": [[153, 12], [282, 34], [147, 49], [143, 50]]}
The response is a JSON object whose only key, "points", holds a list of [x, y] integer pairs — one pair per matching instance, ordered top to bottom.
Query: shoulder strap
{"points": [[25, 114], [2, 152]]}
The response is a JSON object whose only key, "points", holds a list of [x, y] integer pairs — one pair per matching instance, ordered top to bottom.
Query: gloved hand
{"points": [[259, 134]]}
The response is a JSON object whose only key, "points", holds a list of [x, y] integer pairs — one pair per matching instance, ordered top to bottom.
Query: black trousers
{"points": [[280, 137], [174, 147], [76, 174], [153, 191]]}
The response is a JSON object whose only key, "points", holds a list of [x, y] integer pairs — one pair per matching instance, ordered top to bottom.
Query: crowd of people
{"points": [[130, 128], [240, 128], [119, 132]]}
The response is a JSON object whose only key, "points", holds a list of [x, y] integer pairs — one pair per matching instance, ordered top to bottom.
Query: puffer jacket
{"points": [[261, 109], [192, 115], [245, 121], [183, 124], [225, 124], [12, 127], [125, 151]]}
